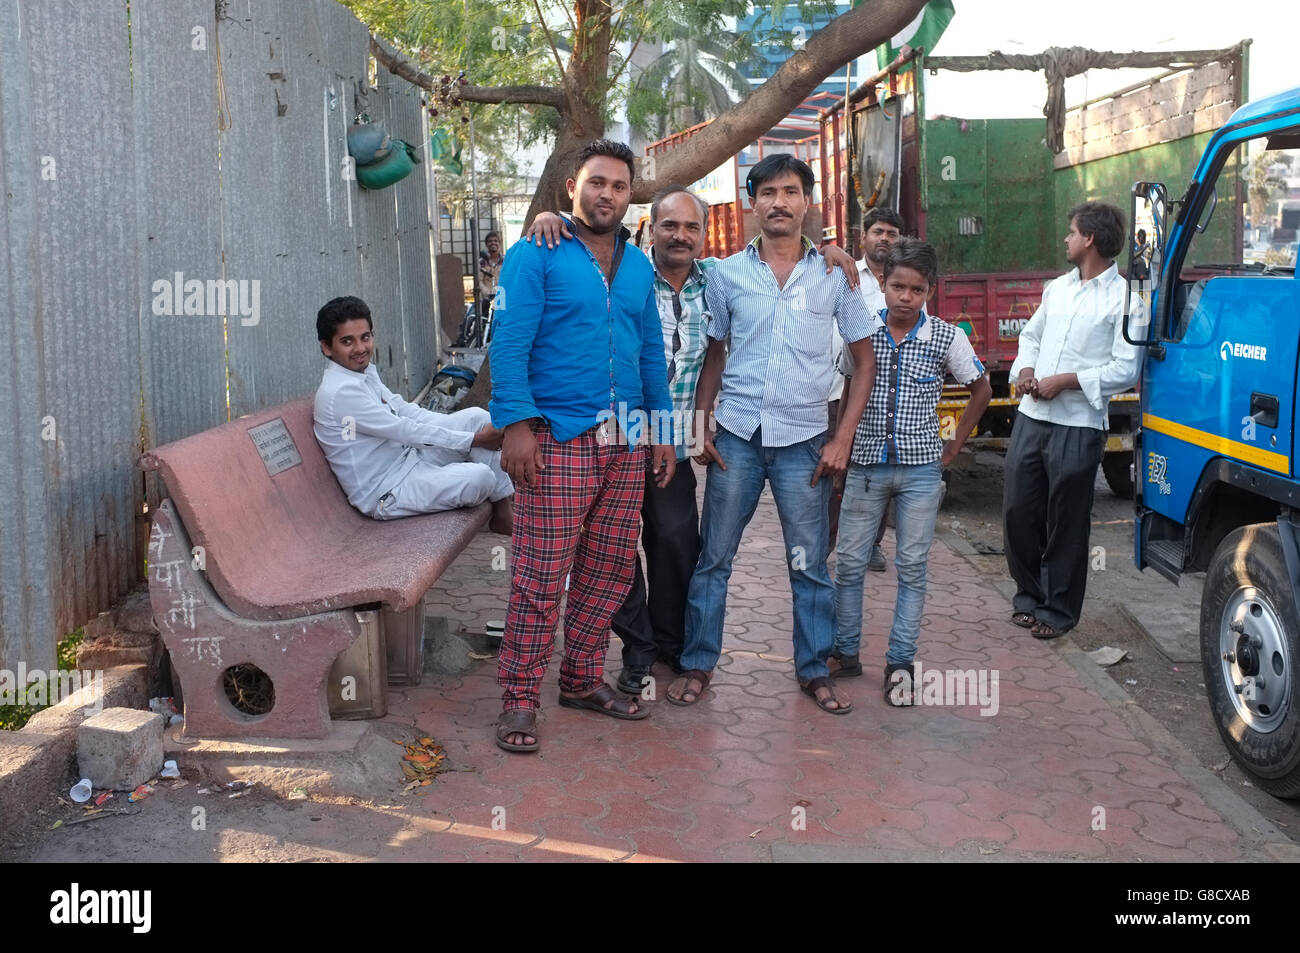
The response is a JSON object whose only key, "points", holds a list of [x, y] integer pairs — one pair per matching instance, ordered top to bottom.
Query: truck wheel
{"points": [[1115, 468], [1249, 631]]}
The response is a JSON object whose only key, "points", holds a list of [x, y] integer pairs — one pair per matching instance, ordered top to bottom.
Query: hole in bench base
{"points": [[249, 689]]}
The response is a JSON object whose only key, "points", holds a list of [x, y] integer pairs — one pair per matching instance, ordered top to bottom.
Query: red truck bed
{"points": [[992, 309]]}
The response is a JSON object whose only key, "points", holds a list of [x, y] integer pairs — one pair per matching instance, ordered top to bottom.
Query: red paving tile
{"points": [[755, 760]]}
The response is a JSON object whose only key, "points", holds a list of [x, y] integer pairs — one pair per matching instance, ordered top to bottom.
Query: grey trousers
{"points": [[1047, 516]]}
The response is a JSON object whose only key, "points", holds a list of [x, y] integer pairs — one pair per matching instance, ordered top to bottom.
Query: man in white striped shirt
{"points": [[776, 306], [1072, 358]]}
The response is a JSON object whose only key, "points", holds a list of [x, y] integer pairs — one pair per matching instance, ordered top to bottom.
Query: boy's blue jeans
{"points": [[916, 490], [730, 498]]}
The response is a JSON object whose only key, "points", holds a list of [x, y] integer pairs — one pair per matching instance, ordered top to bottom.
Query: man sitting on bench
{"points": [[395, 458]]}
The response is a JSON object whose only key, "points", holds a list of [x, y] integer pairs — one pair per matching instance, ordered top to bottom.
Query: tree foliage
{"points": [[529, 42]]}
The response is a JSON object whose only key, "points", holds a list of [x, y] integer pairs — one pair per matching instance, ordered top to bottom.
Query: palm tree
{"points": [[694, 79]]}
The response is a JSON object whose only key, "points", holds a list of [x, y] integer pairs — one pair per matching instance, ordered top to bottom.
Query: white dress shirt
{"points": [[873, 296], [1078, 328], [370, 435]]}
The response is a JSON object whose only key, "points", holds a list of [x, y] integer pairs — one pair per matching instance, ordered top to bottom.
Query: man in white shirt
{"points": [[1072, 358], [394, 458]]}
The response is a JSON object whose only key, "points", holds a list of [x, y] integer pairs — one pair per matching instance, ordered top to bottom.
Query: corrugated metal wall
{"points": [[141, 149]]}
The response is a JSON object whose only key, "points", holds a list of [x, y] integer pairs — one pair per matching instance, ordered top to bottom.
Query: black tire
{"points": [[1115, 467], [1251, 558]]}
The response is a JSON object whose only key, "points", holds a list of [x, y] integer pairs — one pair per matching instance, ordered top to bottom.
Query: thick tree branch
{"points": [[845, 38], [398, 65], [538, 95]]}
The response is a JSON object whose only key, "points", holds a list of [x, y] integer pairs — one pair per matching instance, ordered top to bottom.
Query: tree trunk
{"points": [[586, 79]]}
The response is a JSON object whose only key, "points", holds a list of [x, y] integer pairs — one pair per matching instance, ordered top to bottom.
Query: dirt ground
{"points": [[1173, 692]]}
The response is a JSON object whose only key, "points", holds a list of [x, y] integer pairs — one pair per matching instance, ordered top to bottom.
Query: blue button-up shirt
{"points": [[568, 348], [781, 360]]}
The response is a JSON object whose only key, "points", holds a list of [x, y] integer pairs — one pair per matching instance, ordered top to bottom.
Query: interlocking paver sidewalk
{"points": [[755, 771]]}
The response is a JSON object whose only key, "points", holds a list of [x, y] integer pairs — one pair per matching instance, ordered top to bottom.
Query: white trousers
{"points": [[449, 479]]}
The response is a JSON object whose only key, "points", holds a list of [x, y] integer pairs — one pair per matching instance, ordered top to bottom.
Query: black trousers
{"points": [[1047, 516], [653, 629]]}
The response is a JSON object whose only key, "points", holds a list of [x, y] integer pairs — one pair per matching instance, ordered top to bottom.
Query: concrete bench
{"points": [[257, 557]]}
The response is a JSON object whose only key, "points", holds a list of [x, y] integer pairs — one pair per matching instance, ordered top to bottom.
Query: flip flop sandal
{"points": [[1025, 620], [1042, 630], [693, 675], [810, 687], [605, 701], [517, 721]]}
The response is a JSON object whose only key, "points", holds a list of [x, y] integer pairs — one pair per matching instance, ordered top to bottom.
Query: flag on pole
{"points": [[924, 31]]}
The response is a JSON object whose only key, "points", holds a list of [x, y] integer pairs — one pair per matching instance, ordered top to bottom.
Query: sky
{"points": [[1030, 26]]}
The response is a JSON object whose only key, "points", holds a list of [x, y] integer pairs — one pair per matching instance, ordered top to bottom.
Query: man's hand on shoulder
{"points": [[548, 226], [837, 257]]}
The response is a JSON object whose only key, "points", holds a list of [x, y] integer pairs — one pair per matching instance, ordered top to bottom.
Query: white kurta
{"points": [[394, 458]]}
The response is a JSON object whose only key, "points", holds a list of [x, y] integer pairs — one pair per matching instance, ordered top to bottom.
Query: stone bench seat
{"points": [[257, 552]]}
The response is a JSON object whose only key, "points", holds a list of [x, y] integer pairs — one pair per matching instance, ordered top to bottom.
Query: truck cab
{"points": [[1217, 489]]}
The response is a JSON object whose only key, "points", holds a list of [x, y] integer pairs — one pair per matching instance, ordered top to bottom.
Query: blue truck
{"points": [[1218, 490]]}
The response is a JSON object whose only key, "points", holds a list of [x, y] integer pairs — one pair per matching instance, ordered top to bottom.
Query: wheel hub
{"points": [[1255, 659], [1247, 660]]}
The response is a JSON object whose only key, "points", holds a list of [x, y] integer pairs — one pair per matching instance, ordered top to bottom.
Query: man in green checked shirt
{"points": [[654, 630]]}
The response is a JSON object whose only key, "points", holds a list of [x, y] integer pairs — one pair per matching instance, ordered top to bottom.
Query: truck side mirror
{"points": [[1146, 255]]}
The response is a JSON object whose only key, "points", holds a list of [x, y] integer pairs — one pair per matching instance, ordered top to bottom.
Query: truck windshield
{"points": [[1271, 221], [1254, 229], [1263, 237]]}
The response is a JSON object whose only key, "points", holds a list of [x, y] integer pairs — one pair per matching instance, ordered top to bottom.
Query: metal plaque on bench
{"points": [[275, 446]]}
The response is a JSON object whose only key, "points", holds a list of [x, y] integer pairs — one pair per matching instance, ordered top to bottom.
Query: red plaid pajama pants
{"points": [[579, 519]]}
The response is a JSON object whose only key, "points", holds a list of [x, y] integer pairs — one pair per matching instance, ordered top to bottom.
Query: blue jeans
{"points": [[867, 491], [730, 498]]}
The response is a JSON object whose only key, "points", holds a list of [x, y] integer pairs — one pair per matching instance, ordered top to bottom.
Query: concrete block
{"points": [[135, 614], [124, 686], [120, 748]]}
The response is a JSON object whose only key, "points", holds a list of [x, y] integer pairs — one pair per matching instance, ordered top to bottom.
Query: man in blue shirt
{"points": [[777, 308], [578, 366]]}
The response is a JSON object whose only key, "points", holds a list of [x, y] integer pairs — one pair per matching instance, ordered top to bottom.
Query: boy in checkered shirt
{"points": [[898, 454]]}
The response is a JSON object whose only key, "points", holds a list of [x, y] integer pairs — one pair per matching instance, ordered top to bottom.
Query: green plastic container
{"points": [[394, 167]]}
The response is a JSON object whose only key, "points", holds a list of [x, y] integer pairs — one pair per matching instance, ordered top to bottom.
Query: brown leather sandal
{"points": [[1025, 620], [1045, 630], [684, 680], [809, 688], [606, 701], [517, 721]]}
